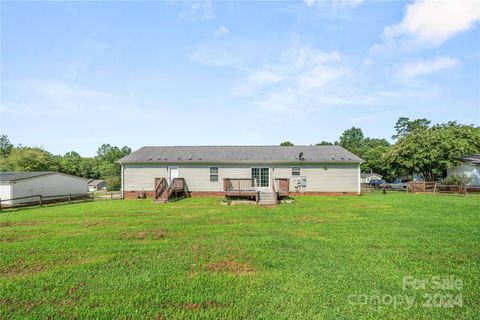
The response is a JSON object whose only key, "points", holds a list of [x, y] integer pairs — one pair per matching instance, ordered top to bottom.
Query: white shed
{"points": [[27, 184]]}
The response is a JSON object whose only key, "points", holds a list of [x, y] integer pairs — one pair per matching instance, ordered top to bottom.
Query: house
{"points": [[470, 167], [224, 170], [367, 177], [47, 184], [95, 185]]}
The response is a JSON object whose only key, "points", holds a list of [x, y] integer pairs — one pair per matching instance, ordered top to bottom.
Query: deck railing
{"points": [[239, 184], [160, 185], [282, 186]]}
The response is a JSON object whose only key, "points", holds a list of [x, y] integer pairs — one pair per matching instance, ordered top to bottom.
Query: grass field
{"points": [[319, 258]]}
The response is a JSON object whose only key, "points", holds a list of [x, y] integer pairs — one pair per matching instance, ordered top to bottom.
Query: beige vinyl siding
{"points": [[198, 176], [138, 177], [337, 177]]}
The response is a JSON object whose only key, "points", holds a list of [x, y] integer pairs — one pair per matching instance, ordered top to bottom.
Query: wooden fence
{"points": [[438, 187], [40, 200]]}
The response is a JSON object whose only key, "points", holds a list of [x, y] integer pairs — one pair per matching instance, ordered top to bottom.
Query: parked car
{"points": [[377, 183], [399, 184]]}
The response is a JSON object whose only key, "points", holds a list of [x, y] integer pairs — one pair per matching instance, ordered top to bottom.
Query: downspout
{"points": [[358, 181], [121, 184]]}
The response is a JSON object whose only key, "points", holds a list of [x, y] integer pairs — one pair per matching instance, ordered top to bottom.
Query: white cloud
{"points": [[336, 4], [200, 10], [432, 23], [221, 31], [423, 67], [302, 79], [53, 98]]}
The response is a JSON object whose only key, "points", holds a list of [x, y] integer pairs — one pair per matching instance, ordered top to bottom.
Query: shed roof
{"points": [[234, 154], [13, 176], [95, 182]]}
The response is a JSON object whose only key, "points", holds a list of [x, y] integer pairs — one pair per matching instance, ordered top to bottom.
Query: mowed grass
{"points": [[198, 259]]}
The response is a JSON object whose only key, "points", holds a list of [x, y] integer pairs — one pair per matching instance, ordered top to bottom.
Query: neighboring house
{"points": [[470, 167], [310, 169], [367, 177], [25, 184], [95, 185]]}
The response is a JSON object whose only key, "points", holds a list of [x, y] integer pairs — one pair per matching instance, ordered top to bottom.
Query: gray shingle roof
{"points": [[183, 154], [474, 158], [13, 176], [94, 182]]}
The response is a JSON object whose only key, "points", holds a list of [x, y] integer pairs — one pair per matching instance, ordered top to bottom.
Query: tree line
{"points": [[419, 147], [103, 166]]}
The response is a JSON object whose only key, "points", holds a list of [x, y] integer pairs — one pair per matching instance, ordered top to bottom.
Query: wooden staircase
{"points": [[175, 191], [267, 198]]}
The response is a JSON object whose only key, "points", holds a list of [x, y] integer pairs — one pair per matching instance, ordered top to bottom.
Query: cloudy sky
{"points": [[75, 75]]}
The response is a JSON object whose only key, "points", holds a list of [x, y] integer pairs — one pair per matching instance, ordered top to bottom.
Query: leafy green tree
{"points": [[404, 126], [352, 140], [324, 143], [286, 144], [5, 145], [432, 151], [107, 157], [29, 159], [70, 163], [114, 183]]}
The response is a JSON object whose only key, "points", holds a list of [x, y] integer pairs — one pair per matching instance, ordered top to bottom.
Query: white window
{"points": [[296, 171], [213, 174]]}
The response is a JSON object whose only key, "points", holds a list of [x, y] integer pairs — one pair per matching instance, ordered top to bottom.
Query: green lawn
{"points": [[322, 257]]}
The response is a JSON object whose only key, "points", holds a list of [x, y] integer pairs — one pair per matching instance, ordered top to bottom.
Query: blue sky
{"points": [[75, 75]]}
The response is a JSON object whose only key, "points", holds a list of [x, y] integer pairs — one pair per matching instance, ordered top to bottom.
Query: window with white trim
{"points": [[296, 171], [213, 174]]}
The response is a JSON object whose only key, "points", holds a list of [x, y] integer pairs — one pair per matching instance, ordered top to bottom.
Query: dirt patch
{"points": [[313, 219], [19, 223], [93, 223], [148, 234], [14, 238], [21, 267], [231, 267], [75, 288], [201, 305]]}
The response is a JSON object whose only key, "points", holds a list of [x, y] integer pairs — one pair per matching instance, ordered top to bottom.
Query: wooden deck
{"points": [[247, 187]]}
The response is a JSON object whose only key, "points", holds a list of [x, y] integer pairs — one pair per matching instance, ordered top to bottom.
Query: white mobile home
{"points": [[470, 168], [214, 170], [26, 184]]}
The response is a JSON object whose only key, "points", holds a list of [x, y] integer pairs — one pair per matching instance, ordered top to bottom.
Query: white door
{"points": [[172, 173]]}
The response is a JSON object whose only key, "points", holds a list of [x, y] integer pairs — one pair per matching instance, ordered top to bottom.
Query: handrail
{"points": [[177, 184], [229, 185], [160, 187]]}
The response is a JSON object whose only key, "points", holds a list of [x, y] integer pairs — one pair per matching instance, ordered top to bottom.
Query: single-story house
{"points": [[470, 167], [209, 170], [367, 177], [47, 184], [95, 185]]}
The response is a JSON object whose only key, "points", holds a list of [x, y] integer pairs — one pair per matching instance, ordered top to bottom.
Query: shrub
{"points": [[456, 180]]}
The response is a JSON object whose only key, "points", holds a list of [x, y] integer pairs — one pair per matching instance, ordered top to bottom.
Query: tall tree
{"points": [[404, 126], [352, 139], [324, 143], [286, 144], [5, 145], [433, 150], [107, 157], [29, 159], [70, 163]]}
